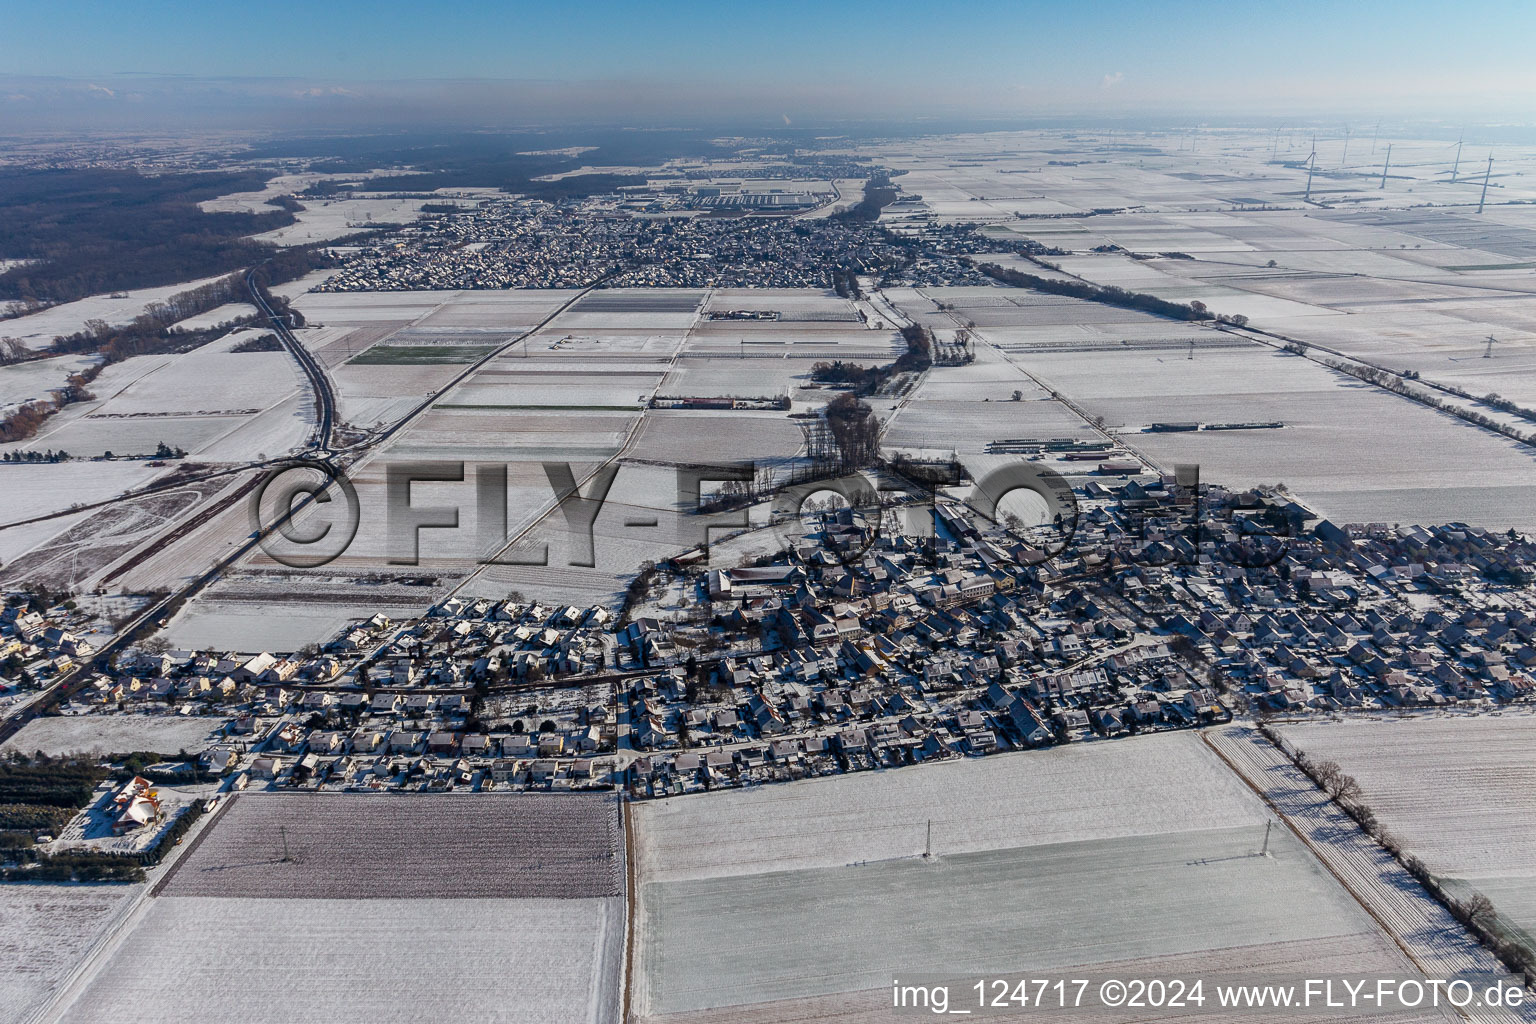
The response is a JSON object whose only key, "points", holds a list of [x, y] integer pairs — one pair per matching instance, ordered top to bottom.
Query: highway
{"points": [[319, 383]]}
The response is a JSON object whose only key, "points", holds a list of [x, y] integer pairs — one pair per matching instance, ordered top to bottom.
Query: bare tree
{"points": [[1327, 774], [1347, 789], [1479, 910]]}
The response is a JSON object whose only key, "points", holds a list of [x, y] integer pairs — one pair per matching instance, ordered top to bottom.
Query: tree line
{"points": [[87, 231], [1110, 295]]}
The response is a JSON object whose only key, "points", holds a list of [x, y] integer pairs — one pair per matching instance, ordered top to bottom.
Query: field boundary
{"points": [[631, 902]]}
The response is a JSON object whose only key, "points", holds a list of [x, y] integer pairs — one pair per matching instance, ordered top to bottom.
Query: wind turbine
{"points": [[1457, 164], [1311, 166], [1385, 166], [1486, 178]]}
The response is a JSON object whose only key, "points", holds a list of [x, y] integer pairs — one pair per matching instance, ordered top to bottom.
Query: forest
{"points": [[90, 230]]}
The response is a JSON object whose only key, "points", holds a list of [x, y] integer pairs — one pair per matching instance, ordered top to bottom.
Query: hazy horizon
{"points": [[349, 65]]}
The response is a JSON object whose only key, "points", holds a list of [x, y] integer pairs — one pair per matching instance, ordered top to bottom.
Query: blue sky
{"points": [[972, 56]]}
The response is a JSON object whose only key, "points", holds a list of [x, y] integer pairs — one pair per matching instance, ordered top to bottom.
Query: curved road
{"points": [[319, 383]]}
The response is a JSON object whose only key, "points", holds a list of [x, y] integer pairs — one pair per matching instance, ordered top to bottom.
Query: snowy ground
{"points": [[37, 330], [28, 382], [115, 734], [1151, 784], [1458, 791], [371, 846], [806, 894], [345, 908], [44, 931], [758, 938], [374, 961]]}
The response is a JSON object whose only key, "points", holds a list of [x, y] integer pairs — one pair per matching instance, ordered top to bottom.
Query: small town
{"points": [[661, 238], [1162, 614]]}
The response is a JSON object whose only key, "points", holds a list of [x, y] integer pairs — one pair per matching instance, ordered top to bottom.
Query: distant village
{"points": [[672, 236], [1172, 607]]}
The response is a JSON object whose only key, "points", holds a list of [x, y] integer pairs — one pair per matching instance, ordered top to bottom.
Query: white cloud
{"points": [[1110, 81], [100, 90], [318, 93]]}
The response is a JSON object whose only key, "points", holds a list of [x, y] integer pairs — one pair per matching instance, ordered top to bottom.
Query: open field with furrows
{"points": [[1161, 278], [640, 300], [784, 300], [360, 308], [617, 320], [763, 340], [1445, 343], [336, 344], [402, 354], [757, 378], [599, 394], [969, 426], [486, 433], [700, 435], [1352, 451], [115, 734], [1153, 784], [1458, 791], [351, 847], [806, 897], [845, 929], [44, 932], [1364, 954], [531, 961]]}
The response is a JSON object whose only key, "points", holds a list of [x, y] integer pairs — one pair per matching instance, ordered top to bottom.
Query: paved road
{"points": [[319, 383]]}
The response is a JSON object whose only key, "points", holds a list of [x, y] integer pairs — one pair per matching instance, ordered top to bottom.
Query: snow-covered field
{"points": [[324, 219], [37, 330], [28, 382], [197, 400], [1354, 452], [40, 489], [209, 622], [115, 734], [1153, 784], [1459, 791], [371, 846], [1070, 857], [338, 908], [44, 931], [711, 942], [1363, 954], [191, 960]]}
